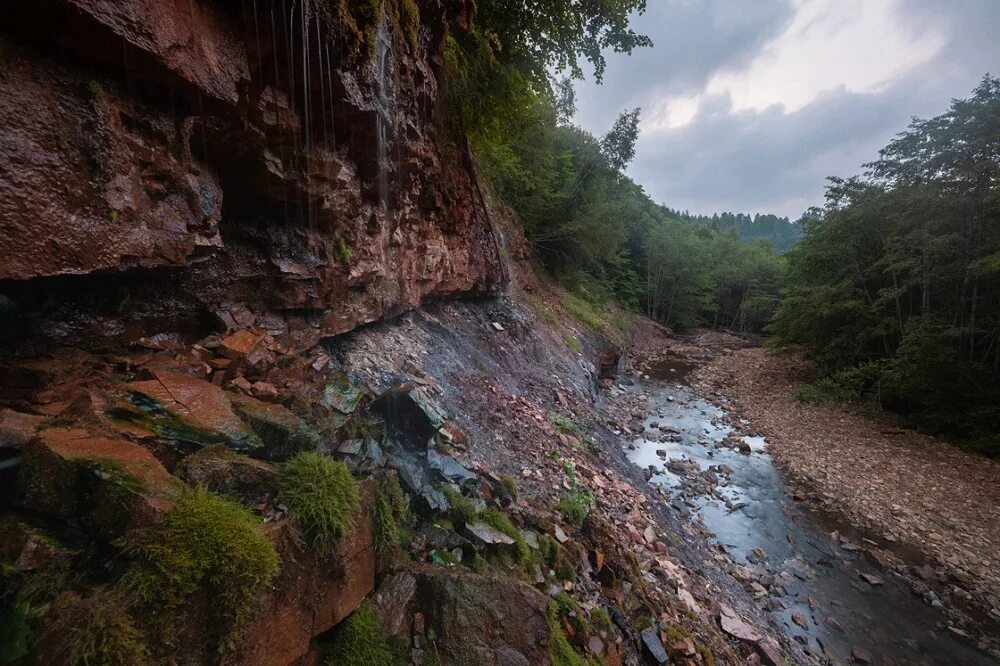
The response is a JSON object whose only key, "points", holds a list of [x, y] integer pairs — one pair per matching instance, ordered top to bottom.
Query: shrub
{"points": [[322, 494], [205, 543], [17, 633], [360, 641]]}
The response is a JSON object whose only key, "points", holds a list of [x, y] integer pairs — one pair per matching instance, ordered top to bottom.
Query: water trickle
{"points": [[385, 102]]}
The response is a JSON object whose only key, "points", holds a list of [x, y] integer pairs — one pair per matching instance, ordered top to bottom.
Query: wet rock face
{"points": [[303, 187]]}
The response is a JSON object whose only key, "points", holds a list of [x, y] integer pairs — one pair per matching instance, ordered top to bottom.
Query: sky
{"points": [[749, 105]]}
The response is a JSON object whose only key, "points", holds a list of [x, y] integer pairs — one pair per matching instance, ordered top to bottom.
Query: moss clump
{"points": [[344, 252], [573, 344], [508, 488], [322, 494], [461, 507], [392, 519], [386, 528], [209, 544], [522, 551], [568, 608], [601, 619], [642, 622], [99, 630], [360, 641], [560, 651]]}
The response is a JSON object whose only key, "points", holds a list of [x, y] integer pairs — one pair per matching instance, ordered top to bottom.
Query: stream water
{"points": [[813, 583]]}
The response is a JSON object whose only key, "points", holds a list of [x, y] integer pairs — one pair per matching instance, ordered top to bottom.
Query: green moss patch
{"points": [[321, 493], [206, 543], [98, 630], [360, 641], [560, 651]]}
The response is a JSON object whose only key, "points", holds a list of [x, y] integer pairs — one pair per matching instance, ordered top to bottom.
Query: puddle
{"points": [[810, 578]]}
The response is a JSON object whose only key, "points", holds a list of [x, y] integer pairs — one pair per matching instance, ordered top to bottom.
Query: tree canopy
{"points": [[895, 287]]}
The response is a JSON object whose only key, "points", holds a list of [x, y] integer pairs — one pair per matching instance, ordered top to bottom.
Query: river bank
{"points": [[925, 511]]}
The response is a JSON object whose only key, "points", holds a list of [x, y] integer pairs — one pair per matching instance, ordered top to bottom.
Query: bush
{"points": [[321, 493], [205, 543], [360, 641]]}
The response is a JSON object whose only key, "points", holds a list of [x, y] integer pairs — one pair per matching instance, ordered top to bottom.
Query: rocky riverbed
{"points": [[843, 593]]}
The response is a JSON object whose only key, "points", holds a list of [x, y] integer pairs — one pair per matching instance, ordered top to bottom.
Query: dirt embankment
{"points": [[920, 496]]}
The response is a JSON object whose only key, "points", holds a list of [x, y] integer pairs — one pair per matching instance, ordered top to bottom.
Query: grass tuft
{"points": [[322, 494], [360, 641]]}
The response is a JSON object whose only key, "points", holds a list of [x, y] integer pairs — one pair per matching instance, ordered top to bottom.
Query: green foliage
{"points": [[344, 252], [895, 290], [583, 312], [573, 344], [566, 425], [321, 493], [574, 504], [462, 508], [386, 528], [206, 543], [522, 551], [567, 607], [600, 618], [98, 630], [17, 631], [360, 641], [560, 651]]}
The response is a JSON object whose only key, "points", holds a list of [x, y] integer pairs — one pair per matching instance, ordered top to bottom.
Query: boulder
{"points": [[186, 410], [16, 429], [281, 432], [222, 471], [109, 485], [313, 592], [393, 602], [485, 620], [652, 647]]}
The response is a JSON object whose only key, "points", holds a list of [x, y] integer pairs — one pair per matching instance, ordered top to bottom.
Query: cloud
{"points": [[755, 114]]}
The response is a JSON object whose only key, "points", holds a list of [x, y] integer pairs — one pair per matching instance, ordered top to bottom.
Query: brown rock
{"points": [[17, 429], [220, 470], [107, 484], [313, 593], [483, 619]]}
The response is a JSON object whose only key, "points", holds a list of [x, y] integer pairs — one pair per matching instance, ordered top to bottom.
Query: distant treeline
{"points": [[590, 225], [780, 232]]}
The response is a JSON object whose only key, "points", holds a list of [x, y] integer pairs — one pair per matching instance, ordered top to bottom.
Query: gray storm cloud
{"points": [[772, 159]]}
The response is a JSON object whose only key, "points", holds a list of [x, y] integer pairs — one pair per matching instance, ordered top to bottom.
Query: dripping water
{"points": [[384, 107]]}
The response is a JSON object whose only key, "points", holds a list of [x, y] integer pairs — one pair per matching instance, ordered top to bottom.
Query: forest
{"points": [[590, 225], [892, 286], [895, 287]]}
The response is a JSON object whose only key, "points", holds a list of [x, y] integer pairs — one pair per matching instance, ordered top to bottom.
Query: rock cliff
{"points": [[192, 166]]}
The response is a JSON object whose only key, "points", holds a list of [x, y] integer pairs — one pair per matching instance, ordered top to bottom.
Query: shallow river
{"points": [[811, 576]]}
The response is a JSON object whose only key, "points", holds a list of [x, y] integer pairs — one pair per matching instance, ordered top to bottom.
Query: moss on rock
{"points": [[321, 493], [209, 544], [360, 641]]}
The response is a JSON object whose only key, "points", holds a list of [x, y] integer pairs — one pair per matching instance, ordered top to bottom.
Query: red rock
{"points": [[241, 343], [197, 402], [17, 429], [107, 484], [313, 593]]}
